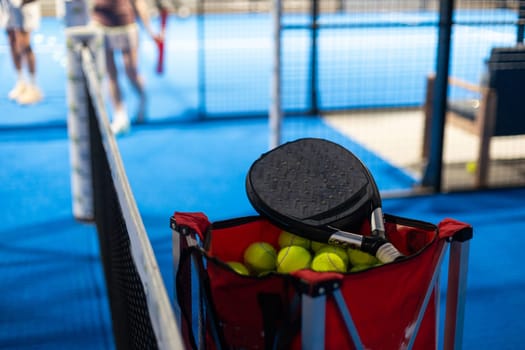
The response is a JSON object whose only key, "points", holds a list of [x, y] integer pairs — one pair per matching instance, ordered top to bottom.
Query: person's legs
{"points": [[30, 21], [13, 24], [24, 39], [15, 55], [131, 58], [17, 62], [131, 65], [111, 70], [32, 93], [120, 123]]}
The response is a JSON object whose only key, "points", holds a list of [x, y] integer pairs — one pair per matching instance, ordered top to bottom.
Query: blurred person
{"points": [[21, 18], [118, 21]]}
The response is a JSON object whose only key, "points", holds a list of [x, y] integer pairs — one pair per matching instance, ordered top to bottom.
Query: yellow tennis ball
{"points": [[471, 167], [287, 239], [317, 245], [337, 250], [260, 257], [358, 257], [293, 258], [327, 261], [238, 267]]}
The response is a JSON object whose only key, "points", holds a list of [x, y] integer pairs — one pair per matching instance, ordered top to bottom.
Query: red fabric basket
{"points": [[248, 312]]}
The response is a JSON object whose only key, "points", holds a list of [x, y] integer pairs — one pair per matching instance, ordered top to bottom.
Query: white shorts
{"points": [[4, 13], [25, 18], [123, 38]]}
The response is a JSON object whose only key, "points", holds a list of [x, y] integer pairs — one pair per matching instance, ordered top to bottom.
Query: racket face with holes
{"points": [[309, 185]]}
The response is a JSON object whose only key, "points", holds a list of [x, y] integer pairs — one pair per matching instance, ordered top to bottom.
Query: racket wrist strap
{"points": [[381, 249], [388, 253]]}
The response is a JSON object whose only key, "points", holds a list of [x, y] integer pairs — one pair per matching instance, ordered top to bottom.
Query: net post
{"points": [[275, 104], [78, 118]]}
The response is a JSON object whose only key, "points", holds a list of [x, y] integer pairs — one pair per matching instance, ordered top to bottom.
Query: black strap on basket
{"points": [[182, 293], [205, 306], [272, 309], [210, 312], [281, 323], [291, 325]]}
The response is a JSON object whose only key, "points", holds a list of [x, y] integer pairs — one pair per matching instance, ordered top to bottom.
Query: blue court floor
{"points": [[52, 289]]}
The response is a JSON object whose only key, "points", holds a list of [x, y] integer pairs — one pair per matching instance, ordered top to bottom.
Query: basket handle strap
{"points": [[197, 222], [454, 229], [205, 307], [271, 307], [292, 325]]}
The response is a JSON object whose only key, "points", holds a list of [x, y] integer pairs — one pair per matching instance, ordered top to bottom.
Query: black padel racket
{"points": [[319, 190]]}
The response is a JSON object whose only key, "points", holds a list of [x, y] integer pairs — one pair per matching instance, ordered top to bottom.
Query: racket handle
{"points": [[377, 224], [346, 239], [379, 247]]}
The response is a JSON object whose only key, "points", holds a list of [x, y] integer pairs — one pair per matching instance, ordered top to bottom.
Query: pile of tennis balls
{"points": [[297, 253]]}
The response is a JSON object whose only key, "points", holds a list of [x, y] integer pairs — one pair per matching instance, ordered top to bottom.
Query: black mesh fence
{"points": [[336, 54]]}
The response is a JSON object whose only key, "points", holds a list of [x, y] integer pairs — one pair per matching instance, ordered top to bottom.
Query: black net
{"points": [[142, 316], [131, 322]]}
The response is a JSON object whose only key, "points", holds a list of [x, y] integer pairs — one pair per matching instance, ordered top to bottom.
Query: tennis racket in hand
{"points": [[160, 42]]}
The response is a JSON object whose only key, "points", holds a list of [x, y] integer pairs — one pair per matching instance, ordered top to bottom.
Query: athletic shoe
{"points": [[17, 90], [30, 95], [120, 124]]}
